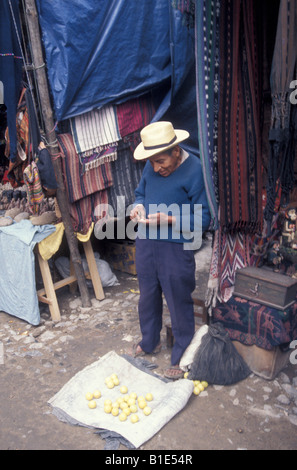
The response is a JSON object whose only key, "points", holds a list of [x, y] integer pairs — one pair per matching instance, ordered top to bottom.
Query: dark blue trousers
{"points": [[165, 267]]}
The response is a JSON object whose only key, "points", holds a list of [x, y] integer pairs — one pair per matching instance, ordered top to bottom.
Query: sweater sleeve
{"points": [[195, 216]]}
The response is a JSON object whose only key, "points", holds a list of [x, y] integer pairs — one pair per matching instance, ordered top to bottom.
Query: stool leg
{"points": [[49, 289], [99, 293]]}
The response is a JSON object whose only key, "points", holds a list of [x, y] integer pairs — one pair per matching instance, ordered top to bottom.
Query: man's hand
{"points": [[138, 213], [160, 218]]}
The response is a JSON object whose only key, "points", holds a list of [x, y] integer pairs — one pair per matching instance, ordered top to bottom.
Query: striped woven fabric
{"points": [[207, 96], [95, 130], [239, 156], [80, 184], [34, 188], [87, 210]]}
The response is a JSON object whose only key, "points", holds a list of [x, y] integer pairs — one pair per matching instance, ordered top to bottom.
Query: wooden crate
{"points": [[121, 255], [265, 287], [264, 363]]}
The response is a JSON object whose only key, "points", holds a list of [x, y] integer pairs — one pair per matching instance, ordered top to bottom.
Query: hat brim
{"points": [[140, 153]]}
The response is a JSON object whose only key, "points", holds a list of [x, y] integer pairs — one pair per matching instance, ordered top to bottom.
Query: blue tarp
{"points": [[101, 52], [11, 63]]}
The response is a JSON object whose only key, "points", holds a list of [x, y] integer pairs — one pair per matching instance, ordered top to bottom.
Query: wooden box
{"points": [[121, 255], [265, 287], [264, 363]]}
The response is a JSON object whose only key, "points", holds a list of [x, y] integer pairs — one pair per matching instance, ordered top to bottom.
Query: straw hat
{"points": [[158, 137]]}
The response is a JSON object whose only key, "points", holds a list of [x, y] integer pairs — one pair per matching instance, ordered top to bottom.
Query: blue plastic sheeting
{"points": [[100, 52], [11, 64]]}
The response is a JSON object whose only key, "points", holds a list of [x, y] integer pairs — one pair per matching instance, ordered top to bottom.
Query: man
{"points": [[172, 212]]}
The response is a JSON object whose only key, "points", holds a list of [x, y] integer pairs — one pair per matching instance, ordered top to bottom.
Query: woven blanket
{"points": [[134, 114], [95, 130], [239, 155], [80, 184], [231, 251], [252, 323]]}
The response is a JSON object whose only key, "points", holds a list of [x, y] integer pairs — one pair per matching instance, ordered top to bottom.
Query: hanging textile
{"points": [[11, 64], [207, 95], [134, 114], [95, 130], [282, 135], [239, 151], [19, 162], [126, 174], [79, 184], [86, 191], [231, 251]]}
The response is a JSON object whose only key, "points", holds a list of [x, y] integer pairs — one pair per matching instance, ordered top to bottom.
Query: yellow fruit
{"points": [[186, 375], [113, 376], [108, 379], [116, 381], [196, 382], [204, 383], [110, 384], [200, 386], [124, 389], [196, 391], [97, 394], [133, 395], [89, 396], [148, 397], [140, 398], [120, 400], [131, 401], [107, 402], [92, 404], [142, 404], [115, 405], [123, 405], [107, 408], [133, 408], [147, 410], [115, 411], [127, 411], [123, 416], [134, 418]]}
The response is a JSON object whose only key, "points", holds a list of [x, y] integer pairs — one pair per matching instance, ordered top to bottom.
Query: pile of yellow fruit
{"points": [[199, 386], [127, 404]]}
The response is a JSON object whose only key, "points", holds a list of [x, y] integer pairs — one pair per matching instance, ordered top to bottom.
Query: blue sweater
{"points": [[181, 194]]}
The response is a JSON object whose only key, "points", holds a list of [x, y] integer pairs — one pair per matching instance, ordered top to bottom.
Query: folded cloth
{"points": [[94, 130], [79, 184], [51, 244], [18, 295]]}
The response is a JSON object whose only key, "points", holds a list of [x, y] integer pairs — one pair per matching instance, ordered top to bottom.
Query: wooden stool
{"points": [[48, 295], [203, 315]]}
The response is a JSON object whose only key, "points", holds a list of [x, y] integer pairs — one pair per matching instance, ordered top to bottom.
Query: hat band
{"points": [[153, 147]]}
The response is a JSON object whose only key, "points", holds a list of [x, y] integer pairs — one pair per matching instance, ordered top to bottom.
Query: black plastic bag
{"points": [[217, 361]]}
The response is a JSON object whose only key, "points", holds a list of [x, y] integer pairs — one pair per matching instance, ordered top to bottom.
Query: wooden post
{"points": [[53, 148]]}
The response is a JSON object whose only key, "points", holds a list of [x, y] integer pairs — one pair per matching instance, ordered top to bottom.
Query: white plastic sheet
{"points": [[71, 406]]}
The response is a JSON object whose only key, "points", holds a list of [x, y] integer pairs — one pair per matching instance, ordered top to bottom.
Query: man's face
{"points": [[165, 163]]}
